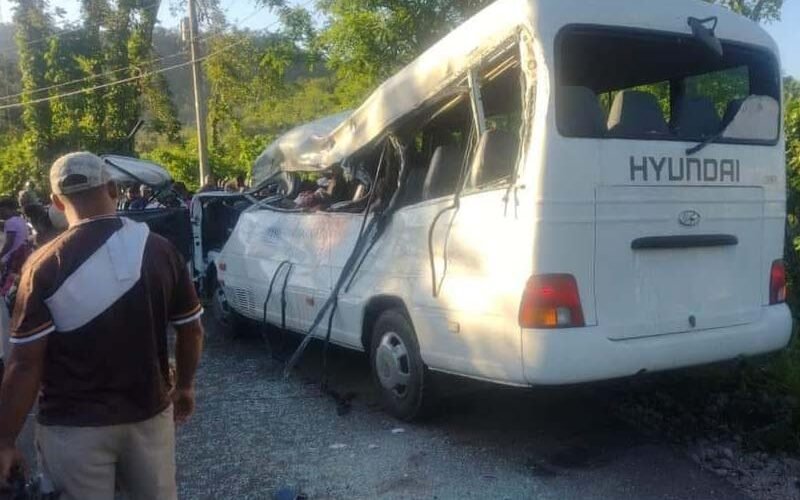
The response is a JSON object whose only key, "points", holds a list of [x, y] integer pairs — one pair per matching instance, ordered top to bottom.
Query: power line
{"points": [[70, 31], [62, 34], [121, 69], [93, 76], [137, 77], [115, 82]]}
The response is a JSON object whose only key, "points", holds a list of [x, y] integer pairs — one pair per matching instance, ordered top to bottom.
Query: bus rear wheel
{"points": [[399, 375]]}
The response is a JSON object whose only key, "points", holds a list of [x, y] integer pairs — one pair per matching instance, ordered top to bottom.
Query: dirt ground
{"points": [[255, 432]]}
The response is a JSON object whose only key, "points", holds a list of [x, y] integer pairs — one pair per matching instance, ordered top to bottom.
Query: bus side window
{"points": [[498, 149], [437, 150]]}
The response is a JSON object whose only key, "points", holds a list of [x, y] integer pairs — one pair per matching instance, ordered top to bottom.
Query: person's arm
{"points": [[185, 314], [31, 324], [188, 349], [21, 381]]}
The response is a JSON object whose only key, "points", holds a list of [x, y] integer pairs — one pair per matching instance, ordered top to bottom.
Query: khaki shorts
{"points": [[84, 463]]}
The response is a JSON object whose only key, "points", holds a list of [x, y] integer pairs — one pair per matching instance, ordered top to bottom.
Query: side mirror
{"points": [[706, 35]]}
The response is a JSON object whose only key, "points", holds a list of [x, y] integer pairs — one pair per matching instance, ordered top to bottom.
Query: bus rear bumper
{"points": [[555, 357]]}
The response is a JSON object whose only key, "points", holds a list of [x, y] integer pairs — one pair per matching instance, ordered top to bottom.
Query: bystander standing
{"points": [[209, 184], [16, 247], [90, 338]]}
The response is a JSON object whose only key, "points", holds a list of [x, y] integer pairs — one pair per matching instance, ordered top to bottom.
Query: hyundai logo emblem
{"points": [[689, 218]]}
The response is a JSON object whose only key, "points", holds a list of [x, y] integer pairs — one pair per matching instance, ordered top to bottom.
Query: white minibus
{"points": [[559, 191]]}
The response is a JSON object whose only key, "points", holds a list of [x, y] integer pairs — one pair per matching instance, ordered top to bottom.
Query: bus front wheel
{"points": [[400, 376]]}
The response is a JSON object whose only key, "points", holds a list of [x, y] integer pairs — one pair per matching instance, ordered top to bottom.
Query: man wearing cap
{"points": [[90, 328]]}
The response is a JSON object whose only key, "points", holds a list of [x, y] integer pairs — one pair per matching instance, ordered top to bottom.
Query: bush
{"points": [[180, 160], [227, 161], [793, 198]]}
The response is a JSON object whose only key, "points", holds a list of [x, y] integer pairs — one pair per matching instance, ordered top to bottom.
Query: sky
{"points": [[245, 13]]}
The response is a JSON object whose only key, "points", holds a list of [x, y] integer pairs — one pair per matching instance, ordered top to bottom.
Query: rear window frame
{"points": [[566, 30]]}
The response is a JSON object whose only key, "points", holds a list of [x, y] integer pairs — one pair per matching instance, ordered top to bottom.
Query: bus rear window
{"points": [[633, 84]]}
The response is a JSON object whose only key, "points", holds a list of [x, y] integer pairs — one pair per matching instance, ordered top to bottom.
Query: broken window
{"points": [[634, 84], [501, 95], [438, 150]]}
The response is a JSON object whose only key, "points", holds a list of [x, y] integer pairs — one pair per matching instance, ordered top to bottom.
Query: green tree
{"points": [[757, 10], [34, 26], [113, 41], [366, 41], [9, 85], [791, 88]]}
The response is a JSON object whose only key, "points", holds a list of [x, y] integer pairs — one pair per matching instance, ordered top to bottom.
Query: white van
{"points": [[559, 191]]}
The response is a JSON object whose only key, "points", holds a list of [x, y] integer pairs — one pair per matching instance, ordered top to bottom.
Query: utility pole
{"points": [[199, 98]]}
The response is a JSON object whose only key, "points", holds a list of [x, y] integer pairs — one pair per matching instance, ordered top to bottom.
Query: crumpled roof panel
{"points": [[299, 149]]}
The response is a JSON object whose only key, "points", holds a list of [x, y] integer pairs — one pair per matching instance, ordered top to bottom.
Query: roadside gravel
{"points": [[724, 424], [255, 432]]}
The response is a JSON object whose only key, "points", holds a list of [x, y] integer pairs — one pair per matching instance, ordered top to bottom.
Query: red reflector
{"points": [[222, 266], [777, 283], [551, 301]]}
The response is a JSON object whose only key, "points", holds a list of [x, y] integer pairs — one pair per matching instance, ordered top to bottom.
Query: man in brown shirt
{"points": [[90, 329]]}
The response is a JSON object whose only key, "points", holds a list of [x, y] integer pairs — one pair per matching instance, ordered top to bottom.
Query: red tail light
{"points": [[777, 283], [551, 301]]}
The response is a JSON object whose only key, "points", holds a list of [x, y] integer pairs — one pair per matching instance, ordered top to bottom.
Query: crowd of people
{"points": [[134, 197], [27, 225]]}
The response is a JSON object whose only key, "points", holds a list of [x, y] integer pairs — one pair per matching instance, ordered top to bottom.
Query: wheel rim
{"points": [[392, 364]]}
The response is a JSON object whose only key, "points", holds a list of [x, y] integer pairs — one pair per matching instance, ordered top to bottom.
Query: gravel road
{"points": [[255, 432]]}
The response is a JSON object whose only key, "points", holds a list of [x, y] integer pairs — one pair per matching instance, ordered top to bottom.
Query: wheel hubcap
{"points": [[392, 364]]}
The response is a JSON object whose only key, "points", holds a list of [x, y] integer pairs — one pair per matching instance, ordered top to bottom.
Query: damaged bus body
{"points": [[557, 192]]}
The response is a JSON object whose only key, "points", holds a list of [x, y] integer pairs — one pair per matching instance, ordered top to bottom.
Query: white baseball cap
{"points": [[77, 172]]}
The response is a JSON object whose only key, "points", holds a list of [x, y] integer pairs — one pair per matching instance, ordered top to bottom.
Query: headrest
{"points": [[579, 113], [636, 113], [696, 118], [758, 118], [495, 157]]}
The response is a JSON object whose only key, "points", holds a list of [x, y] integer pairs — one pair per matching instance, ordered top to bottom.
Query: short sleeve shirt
{"points": [[19, 228], [113, 368]]}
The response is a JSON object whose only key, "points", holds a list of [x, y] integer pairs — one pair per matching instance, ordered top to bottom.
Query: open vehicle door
{"points": [[214, 215], [170, 222]]}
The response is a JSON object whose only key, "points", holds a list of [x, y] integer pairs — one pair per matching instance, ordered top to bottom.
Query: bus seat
{"points": [[580, 113], [635, 113], [696, 118], [757, 119], [495, 157], [443, 173], [414, 184], [359, 192]]}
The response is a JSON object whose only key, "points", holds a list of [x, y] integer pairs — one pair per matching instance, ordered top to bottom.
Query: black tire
{"points": [[227, 322], [400, 376]]}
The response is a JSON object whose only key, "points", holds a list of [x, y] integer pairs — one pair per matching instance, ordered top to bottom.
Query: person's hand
{"points": [[183, 404], [10, 459]]}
